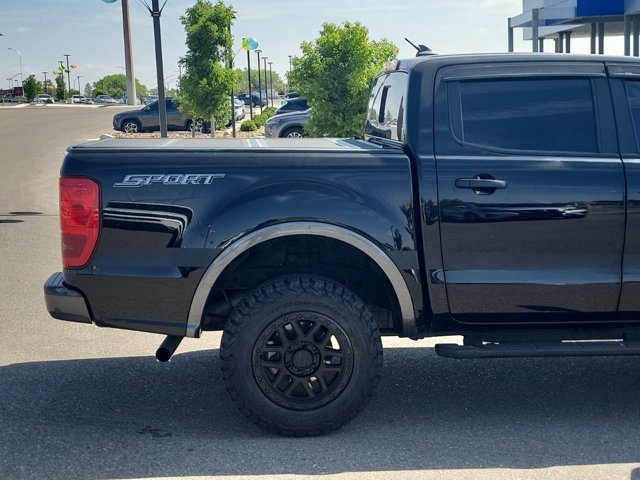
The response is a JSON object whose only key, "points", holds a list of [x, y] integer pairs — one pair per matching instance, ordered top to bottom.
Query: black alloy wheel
{"points": [[301, 355], [302, 361]]}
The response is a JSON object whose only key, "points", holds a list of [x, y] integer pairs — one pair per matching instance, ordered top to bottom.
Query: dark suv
{"points": [[253, 99], [297, 104], [148, 119]]}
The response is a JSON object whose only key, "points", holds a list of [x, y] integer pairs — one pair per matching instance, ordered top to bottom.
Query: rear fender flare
{"points": [[240, 245]]}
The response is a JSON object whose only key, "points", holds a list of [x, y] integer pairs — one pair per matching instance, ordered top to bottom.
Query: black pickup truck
{"points": [[496, 197]]}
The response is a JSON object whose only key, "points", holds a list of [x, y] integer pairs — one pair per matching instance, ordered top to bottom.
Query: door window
{"points": [[516, 115]]}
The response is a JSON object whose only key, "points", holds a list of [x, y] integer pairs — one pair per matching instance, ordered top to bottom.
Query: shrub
{"points": [[269, 112], [260, 119], [248, 126]]}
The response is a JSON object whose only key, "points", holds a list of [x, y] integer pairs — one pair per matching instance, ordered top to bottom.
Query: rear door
{"points": [[625, 86], [175, 120], [531, 192]]}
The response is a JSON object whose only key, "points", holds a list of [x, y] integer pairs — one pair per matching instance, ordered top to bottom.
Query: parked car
{"points": [[290, 95], [10, 97], [43, 98], [78, 99], [105, 99], [149, 99], [253, 99], [293, 105], [238, 109], [147, 119], [287, 125]]}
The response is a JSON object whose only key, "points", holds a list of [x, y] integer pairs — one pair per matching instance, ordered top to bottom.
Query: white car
{"points": [[44, 98], [78, 99], [105, 99], [238, 109]]}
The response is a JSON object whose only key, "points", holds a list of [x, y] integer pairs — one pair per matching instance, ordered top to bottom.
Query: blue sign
{"points": [[594, 8]]}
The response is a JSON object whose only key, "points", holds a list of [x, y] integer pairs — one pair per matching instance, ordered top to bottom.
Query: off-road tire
{"points": [[295, 303]]}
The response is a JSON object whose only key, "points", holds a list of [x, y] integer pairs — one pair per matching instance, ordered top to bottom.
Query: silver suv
{"points": [[287, 125]]}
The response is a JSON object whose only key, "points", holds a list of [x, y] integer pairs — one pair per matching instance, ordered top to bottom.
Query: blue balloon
{"points": [[249, 43]]}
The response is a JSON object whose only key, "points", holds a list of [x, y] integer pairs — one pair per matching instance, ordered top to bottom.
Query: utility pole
{"points": [[128, 56], [68, 74], [289, 75], [259, 80], [266, 80], [271, 81], [45, 83]]}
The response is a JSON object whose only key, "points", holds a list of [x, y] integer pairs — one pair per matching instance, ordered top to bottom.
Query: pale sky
{"points": [[91, 31]]}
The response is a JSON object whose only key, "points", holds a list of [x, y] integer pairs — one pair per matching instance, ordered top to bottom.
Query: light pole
{"points": [[155, 14], [67, 55], [20, 57], [289, 75], [259, 80], [266, 80], [271, 81], [45, 83], [79, 88], [250, 90]]}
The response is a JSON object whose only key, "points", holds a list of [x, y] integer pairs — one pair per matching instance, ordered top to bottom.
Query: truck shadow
{"points": [[12, 216], [133, 417]]}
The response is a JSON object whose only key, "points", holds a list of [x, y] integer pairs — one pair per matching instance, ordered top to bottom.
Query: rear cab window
{"points": [[527, 108]]}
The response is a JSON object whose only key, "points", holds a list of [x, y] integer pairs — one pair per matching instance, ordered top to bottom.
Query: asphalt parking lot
{"points": [[82, 402]]}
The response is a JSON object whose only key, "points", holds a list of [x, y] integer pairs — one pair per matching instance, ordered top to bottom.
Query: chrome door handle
{"points": [[480, 183]]}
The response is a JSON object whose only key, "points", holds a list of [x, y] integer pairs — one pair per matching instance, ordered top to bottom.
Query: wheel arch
{"points": [[286, 128], [235, 248]]}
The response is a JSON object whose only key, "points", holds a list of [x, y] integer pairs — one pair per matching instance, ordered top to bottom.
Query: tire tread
{"points": [[294, 285]]}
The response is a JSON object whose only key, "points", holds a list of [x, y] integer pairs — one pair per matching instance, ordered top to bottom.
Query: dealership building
{"points": [[562, 20]]}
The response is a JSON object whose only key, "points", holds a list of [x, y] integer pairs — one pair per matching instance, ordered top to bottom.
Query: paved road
{"points": [[82, 402]]}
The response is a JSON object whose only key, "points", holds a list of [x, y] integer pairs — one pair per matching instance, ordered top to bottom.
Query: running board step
{"points": [[555, 349]]}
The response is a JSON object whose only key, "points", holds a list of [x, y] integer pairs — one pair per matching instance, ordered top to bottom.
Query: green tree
{"points": [[335, 73], [243, 80], [206, 83], [116, 86], [31, 87], [88, 90], [61, 91]]}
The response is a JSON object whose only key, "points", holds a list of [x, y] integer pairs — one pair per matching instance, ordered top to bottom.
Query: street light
{"points": [[20, 56], [68, 73], [289, 75], [259, 80], [266, 80], [271, 81], [45, 83], [79, 89]]}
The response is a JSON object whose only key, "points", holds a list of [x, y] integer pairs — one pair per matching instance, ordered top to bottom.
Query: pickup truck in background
{"points": [[496, 197]]}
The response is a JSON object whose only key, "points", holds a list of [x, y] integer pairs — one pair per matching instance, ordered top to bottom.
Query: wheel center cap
{"points": [[302, 358]]}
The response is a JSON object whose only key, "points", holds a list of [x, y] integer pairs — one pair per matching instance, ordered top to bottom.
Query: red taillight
{"points": [[79, 220]]}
